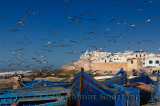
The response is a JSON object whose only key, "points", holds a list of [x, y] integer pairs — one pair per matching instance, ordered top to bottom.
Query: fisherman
{"points": [[134, 72], [143, 72], [153, 72], [156, 74]]}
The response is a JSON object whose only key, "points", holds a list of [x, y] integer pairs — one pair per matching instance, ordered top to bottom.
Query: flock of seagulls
{"points": [[79, 18], [38, 59]]}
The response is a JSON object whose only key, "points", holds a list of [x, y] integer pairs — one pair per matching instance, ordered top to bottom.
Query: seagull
{"points": [[66, 1], [148, 1], [114, 5], [139, 9], [116, 11], [35, 12], [84, 14], [23, 18], [92, 19], [112, 19], [147, 20], [75, 22], [21, 23], [133, 25], [93, 28], [108, 29], [14, 30], [46, 30], [90, 32], [56, 33], [22, 36], [41, 39], [66, 39], [86, 39], [113, 40], [74, 41], [151, 41], [49, 42], [135, 42], [93, 47], [19, 49], [74, 53], [39, 54], [4, 61], [13, 64], [28, 65]]}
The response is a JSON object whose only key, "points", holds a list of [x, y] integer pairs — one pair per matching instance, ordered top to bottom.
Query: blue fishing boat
{"points": [[119, 78], [143, 78], [42, 83], [147, 87], [88, 92], [34, 96], [57, 103]]}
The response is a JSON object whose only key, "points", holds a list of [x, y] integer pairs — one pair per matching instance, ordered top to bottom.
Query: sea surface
{"points": [[11, 72]]}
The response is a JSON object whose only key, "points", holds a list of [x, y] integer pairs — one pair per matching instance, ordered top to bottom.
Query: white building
{"points": [[141, 53], [95, 56], [121, 57], [118, 59], [152, 61]]}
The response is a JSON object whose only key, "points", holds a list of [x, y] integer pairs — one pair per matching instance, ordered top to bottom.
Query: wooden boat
{"points": [[119, 78], [144, 79], [42, 83], [147, 91], [88, 92], [34, 96], [57, 103]]}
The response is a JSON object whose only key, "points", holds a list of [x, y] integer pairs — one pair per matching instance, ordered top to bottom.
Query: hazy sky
{"points": [[55, 32]]}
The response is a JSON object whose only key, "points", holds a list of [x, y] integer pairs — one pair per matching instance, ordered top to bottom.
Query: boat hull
{"points": [[119, 78], [88, 92]]}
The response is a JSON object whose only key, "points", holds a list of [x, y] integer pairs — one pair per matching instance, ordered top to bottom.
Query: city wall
{"points": [[101, 67]]}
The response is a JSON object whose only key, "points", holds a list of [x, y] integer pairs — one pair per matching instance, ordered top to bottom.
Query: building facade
{"points": [[102, 61], [153, 61]]}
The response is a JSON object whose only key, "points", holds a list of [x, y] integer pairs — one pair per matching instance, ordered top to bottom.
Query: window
{"points": [[136, 55], [140, 55], [144, 55], [150, 61], [157, 61], [132, 62], [143, 63]]}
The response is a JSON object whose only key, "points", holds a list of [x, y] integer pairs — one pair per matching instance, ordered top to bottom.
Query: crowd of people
{"points": [[141, 72], [144, 72], [156, 72]]}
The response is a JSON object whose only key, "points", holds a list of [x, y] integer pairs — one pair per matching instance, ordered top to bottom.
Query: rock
{"points": [[25, 79], [16, 85], [14, 104]]}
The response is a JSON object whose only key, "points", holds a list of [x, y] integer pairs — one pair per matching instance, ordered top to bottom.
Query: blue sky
{"points": [[53, 17]]}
